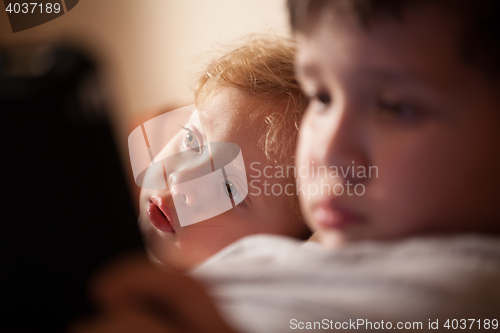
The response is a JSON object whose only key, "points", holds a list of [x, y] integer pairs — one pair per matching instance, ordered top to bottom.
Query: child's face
{"points": [[397, 97], [220, 120]]}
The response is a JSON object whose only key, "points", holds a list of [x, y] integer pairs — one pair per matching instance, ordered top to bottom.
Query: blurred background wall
{"points": [[152, 50]]}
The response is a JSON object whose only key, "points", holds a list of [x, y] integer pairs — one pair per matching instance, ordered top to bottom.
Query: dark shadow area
{"points": [[65, 203]]}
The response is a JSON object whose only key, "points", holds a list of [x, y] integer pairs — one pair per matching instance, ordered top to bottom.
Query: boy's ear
{"points": [[24, 14]]}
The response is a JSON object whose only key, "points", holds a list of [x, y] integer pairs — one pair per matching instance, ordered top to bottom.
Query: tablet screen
{"points": [[65, 204]]}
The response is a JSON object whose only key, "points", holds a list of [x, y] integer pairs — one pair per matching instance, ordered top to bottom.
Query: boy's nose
{"points": [[343, 142]]}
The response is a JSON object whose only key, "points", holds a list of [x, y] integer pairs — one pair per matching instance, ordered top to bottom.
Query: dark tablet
{"points": [[65, 205]]}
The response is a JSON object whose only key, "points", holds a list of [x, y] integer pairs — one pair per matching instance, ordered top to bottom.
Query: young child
{"points": [[406, 88], [248, 97], [416, 101]]}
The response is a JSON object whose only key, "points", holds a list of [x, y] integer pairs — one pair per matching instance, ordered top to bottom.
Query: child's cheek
{"points": [[413, 176], [263, 178]]}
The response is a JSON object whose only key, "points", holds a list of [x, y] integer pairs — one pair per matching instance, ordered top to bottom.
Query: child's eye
{"points": [[324, 98], [321, 100], [396, 109], [191, 142], [231, 190], [233, 193]]}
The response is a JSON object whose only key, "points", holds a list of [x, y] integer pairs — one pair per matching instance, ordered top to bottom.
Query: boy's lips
{"points": [[159, 215], [329, 215]]}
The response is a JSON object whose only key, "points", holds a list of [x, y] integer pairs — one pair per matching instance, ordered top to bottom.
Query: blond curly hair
{"points": [[262, 66]]}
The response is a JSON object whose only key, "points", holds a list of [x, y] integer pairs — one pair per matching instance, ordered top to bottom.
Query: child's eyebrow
{"points": [[306, 70], [385, 75], [395, 76], [201, 113]]}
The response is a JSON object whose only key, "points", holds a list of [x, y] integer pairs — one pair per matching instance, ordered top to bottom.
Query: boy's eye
{"points": [[324, 98], [320, 100], [396, 109], [191, 141]]}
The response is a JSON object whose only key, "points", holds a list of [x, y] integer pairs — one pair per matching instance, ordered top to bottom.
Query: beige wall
{"points": [[153, 48]]}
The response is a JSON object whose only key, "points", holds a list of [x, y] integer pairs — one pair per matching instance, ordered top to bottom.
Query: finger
{"points": [[123, 282], [171, 296]]}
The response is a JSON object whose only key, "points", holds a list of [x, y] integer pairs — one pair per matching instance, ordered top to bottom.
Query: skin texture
{"points": [[397, 96], [222, 120]]}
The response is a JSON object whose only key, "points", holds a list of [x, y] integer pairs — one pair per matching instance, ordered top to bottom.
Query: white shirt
{"points": [[276, 284]]}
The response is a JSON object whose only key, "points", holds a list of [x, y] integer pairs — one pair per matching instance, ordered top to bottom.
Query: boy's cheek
{"points": [[415, 189]]}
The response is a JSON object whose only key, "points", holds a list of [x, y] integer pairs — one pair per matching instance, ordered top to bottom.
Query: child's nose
{"points": [[343, 143], [189, 173]]}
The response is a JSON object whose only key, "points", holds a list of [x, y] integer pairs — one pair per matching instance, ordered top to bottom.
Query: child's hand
{"points": [[137, 296]]}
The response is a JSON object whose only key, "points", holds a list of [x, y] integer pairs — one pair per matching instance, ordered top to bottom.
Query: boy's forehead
{"points": [[424, 42]]}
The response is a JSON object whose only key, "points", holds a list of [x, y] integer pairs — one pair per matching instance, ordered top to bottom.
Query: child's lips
{"points": [[330, 216], [159, 217]]}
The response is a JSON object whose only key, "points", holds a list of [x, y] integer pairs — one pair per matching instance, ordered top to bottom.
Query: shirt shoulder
{"points": [[261, 250], [262, 282]]}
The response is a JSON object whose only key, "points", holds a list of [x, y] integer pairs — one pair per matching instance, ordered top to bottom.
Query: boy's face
{"points": [[397, 98], [220, 120]]}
